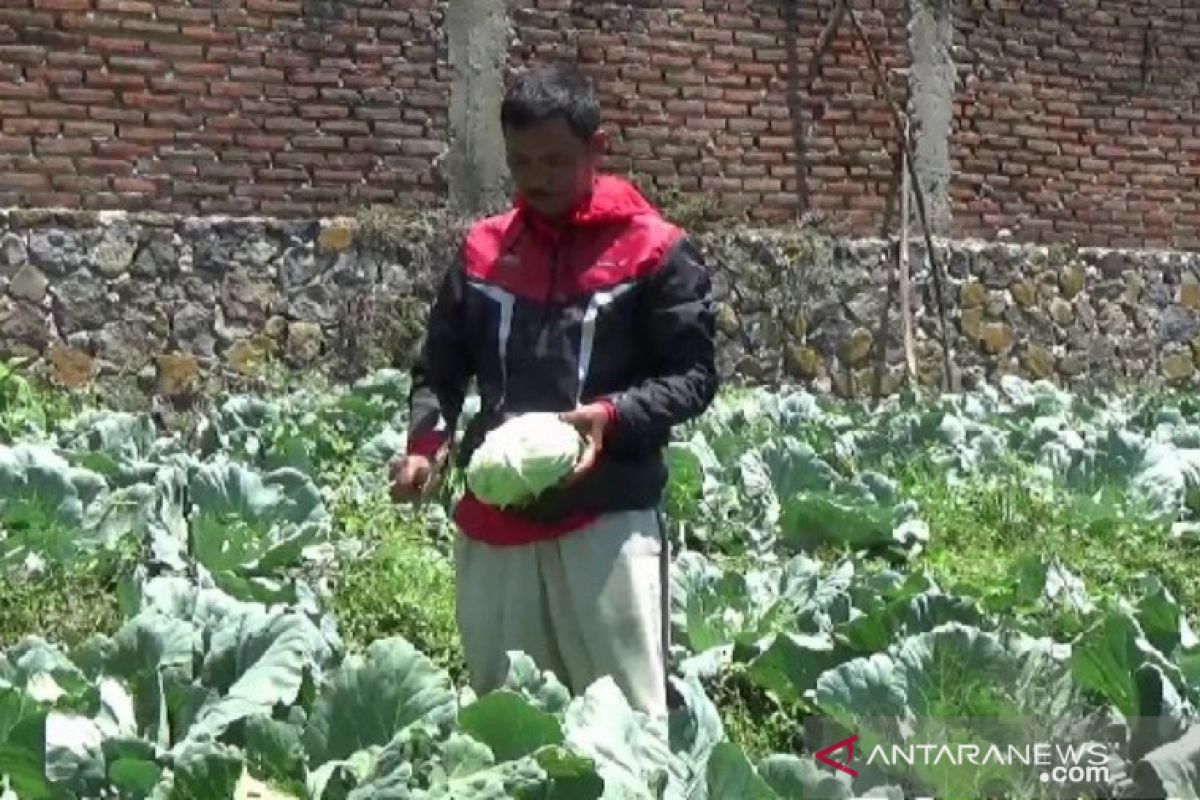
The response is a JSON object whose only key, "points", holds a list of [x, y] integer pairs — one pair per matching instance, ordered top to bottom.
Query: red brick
{"points": [[62, 5], [126, 7], [278, 7], [14, 15], [147, 29], [209, 35], [113, 44], [173, 50], [11, 55], [74, 60], [146, 66], [54, 77], [111, 80], [177, 86], [236, 89], [23, 91], [86, 96], [149, 101], [58, 111], [324, 112], [171, 120], [234, 123], [290, 124], [743, 125], [28, 126], [345, 127], [88, 128], [147, 135], [210, 140], [262, 142], [319, 142], [15, 144], [65, 146], [124, 150], [1110, 151], [238, 156], [300, 159], [226, 171], [283, 175], [337, 176], [22, 180], [134, 185], [190, 188], [55, 199], [287, 209]]}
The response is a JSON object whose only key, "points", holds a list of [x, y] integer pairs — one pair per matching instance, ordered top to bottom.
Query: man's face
{"points": [[551, 166]]}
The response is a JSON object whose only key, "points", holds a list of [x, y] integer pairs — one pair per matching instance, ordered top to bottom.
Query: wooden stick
{"points": [[826, 39], [898, 120], [910, 358]]}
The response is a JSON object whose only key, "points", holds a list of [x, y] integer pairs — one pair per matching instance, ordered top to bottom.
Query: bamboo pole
{"points": [[910, 358]]}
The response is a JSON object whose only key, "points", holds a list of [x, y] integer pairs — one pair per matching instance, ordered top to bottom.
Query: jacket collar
{"points": [[611, 199]]}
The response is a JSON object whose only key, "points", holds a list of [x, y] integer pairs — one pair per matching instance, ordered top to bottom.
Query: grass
{"points": [[985, 532], [402, 586], [64, 605], [752, 718]]}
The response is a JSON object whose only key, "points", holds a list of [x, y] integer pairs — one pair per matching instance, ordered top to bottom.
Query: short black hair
{"points": [[554, 90]]}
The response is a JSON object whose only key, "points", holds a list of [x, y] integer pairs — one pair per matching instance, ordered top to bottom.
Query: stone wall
{"points": [[1059, 122], [182, 307]]}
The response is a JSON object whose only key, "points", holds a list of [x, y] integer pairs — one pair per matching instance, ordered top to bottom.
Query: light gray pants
{"points": [[590, 604]]}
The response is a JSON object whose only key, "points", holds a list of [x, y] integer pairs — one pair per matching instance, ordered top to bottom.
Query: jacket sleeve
{"points": [[679, 322], [441, 372]]}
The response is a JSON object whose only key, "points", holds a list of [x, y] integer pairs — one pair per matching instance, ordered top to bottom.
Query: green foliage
{"points": [[393, 228], [27, 407], [402, 585], [65, 603], [196, 618]]}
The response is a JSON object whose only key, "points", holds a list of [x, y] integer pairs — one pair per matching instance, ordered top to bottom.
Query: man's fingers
{"points": [[588, 459], [409, 480], [430, 480]]}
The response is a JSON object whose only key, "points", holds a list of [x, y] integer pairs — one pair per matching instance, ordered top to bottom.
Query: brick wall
{"points": [[716, 99], [252, 106], [1079, 121], [1066, 123]]}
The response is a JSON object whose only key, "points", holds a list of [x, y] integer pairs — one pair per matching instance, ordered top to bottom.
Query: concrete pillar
{"points": [[479, 34], [931, 106]]}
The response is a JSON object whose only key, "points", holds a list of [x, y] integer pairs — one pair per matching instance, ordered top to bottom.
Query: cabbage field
{"points": [[237, 610]]}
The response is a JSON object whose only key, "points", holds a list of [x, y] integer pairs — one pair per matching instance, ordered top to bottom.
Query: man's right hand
{"points": [[413, 478]]}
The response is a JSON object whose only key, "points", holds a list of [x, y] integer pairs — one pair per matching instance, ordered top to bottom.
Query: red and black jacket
{"points": [[611, 305]]}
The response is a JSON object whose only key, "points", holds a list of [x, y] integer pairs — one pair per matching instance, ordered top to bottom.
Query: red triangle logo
{"points": [[822, 755]]}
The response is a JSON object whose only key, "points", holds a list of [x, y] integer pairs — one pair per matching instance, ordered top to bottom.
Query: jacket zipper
{"points": [[553, 290]]}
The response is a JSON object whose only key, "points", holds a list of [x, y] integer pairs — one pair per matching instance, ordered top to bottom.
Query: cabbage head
{"points": [[521, 458]]}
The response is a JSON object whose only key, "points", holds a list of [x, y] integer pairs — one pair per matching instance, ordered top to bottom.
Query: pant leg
{"points": [[607, 600], [501, 605]]}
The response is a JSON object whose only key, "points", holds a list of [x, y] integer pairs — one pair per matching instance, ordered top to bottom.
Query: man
{"points": [[581, 300]]}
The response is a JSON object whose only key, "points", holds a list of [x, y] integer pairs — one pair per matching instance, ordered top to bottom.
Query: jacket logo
{"points": [[608, 268]]}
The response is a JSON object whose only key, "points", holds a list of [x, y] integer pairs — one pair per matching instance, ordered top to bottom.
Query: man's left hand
{"points": [[591, 420]]}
